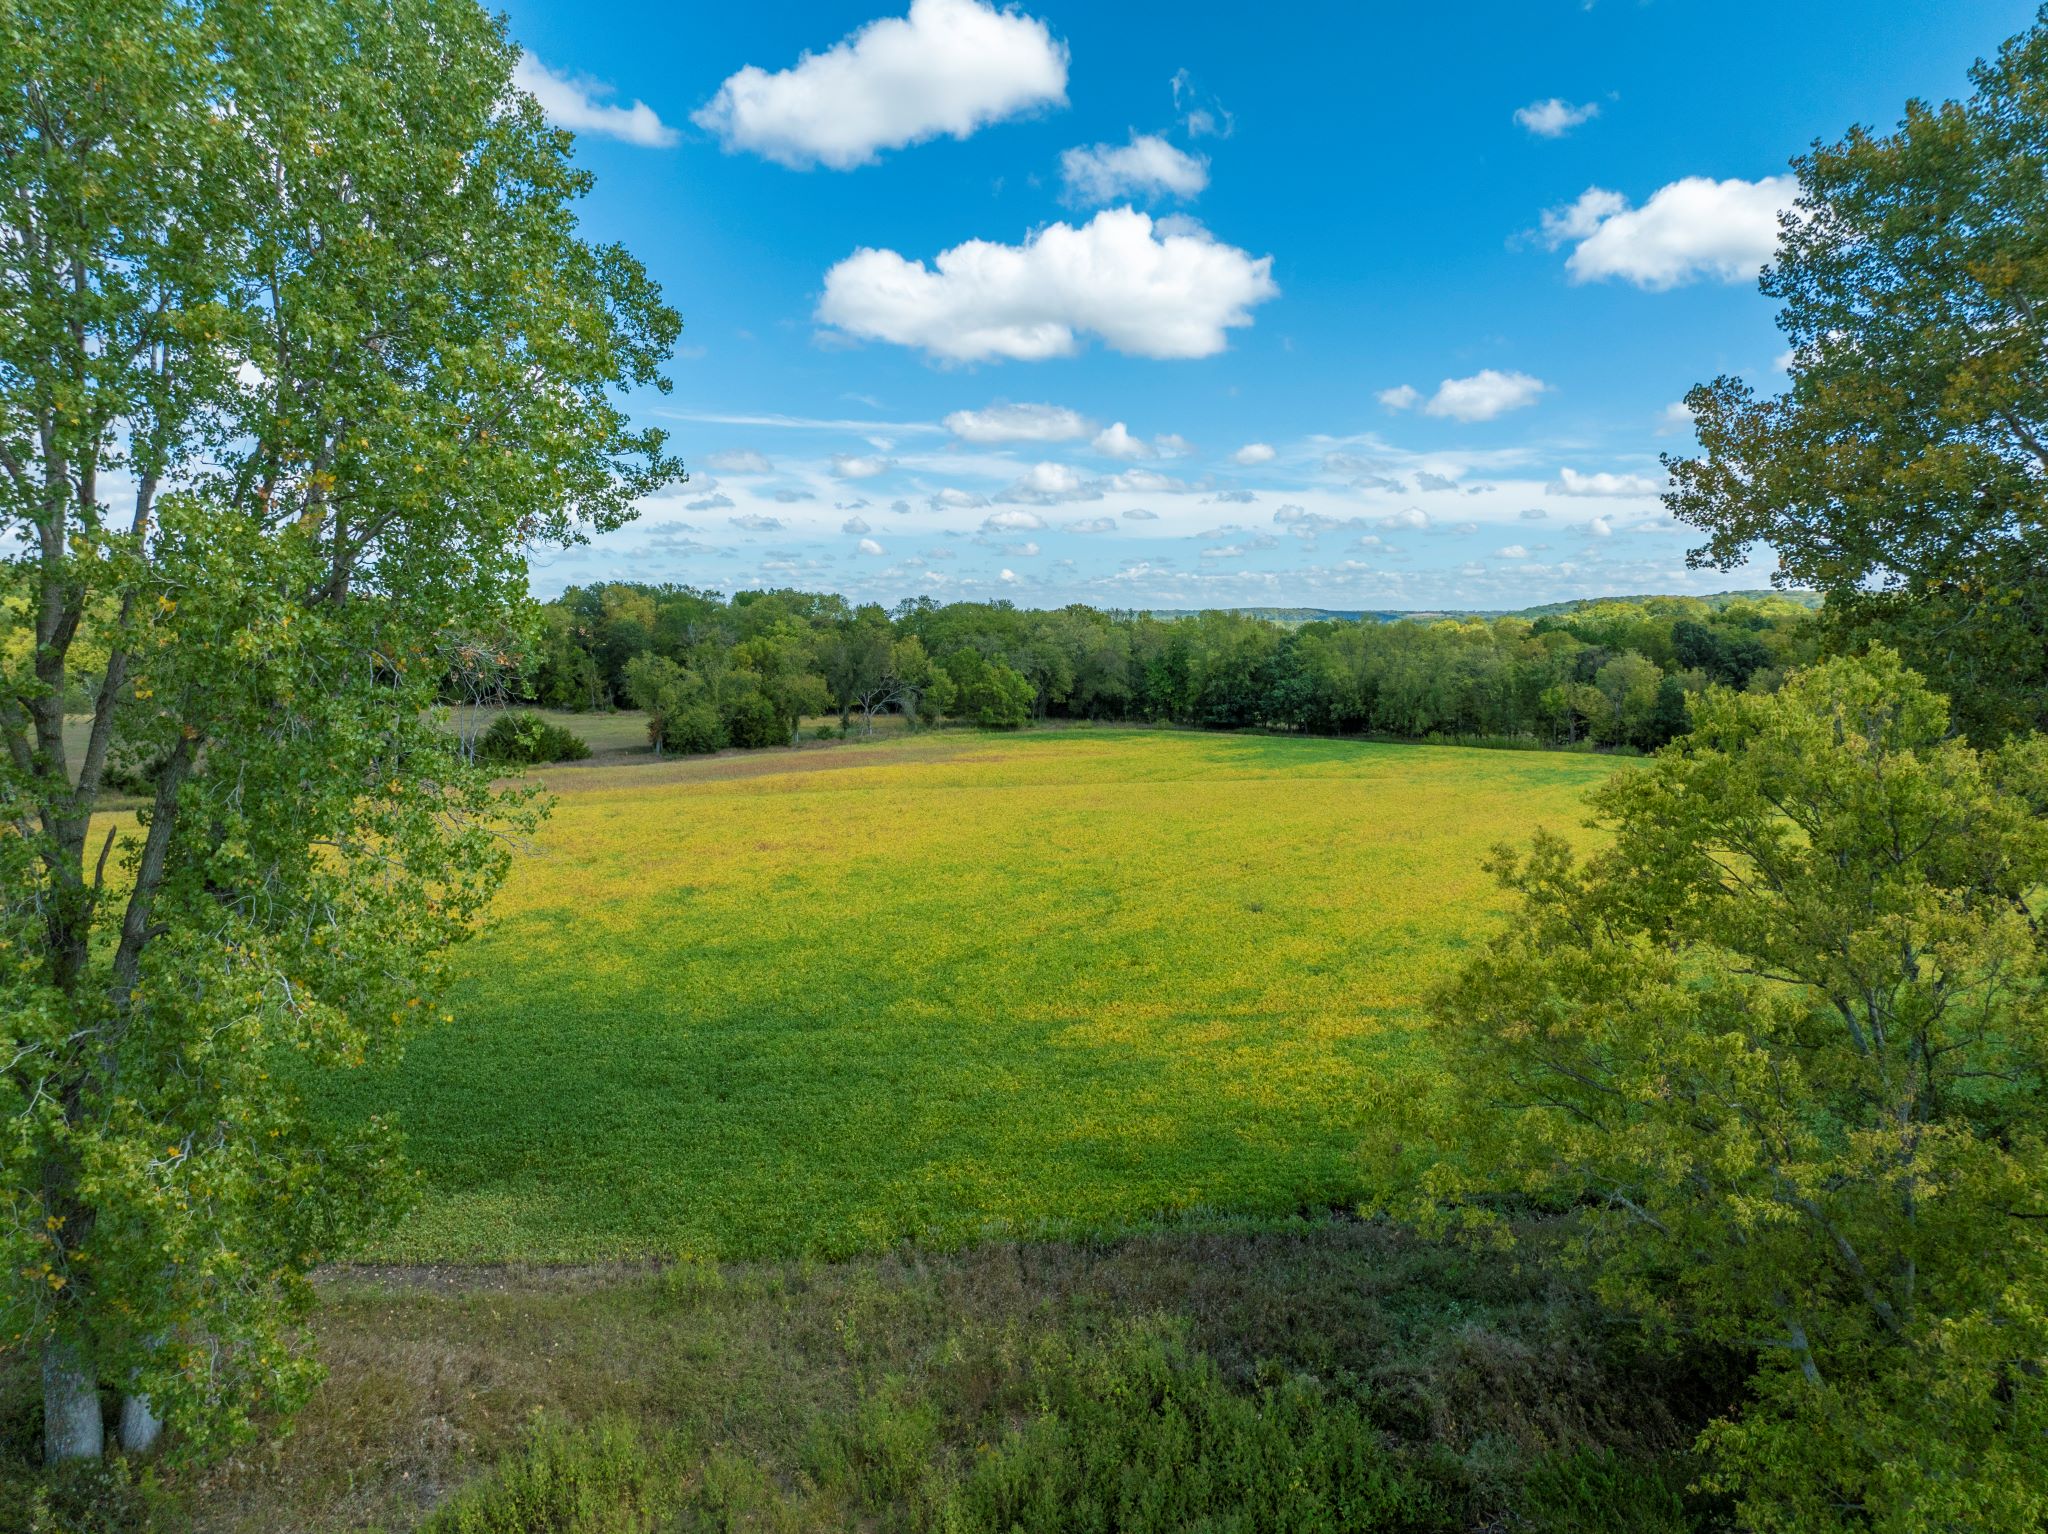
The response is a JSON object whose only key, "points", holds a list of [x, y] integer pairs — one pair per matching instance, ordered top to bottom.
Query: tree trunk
{"points": [[72, 1427], [141, 1427]]}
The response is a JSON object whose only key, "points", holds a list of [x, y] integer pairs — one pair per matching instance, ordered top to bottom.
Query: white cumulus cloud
{"points": [[949, 67], [578, 105], [1556, 117], [1146, 168], [1693, 228], [1145, 290], [1484, 395], [1400, 397], [1018, 423], [1116, 441], [1253, 453], [851, 466], [1572, 482], [1013, 522], [855, 526], [869, 546]]}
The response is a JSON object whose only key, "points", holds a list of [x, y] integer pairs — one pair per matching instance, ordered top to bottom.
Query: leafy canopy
{"points": [[299, 351], [1905, 471], [1782, 1046]]}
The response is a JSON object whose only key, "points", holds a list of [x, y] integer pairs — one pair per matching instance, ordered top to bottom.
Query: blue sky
{"points": [[1186, 305]]}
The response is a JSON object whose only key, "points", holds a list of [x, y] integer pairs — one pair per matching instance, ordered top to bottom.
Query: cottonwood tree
{"points": [[299, 350], [1904, 472], [1782, 1044]]}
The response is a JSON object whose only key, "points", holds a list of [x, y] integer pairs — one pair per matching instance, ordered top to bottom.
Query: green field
{"points": [[947, 988]]}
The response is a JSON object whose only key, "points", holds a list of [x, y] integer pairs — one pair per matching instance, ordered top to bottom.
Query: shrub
{"points": [[753, 721], [693, 729], [825, 732], [523, 738], [1144, 1435], [601, 1479]]}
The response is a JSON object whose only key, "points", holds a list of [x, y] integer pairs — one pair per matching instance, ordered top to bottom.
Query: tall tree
{"points": [[299, 350], [1904, 472], [1781, 1046]]}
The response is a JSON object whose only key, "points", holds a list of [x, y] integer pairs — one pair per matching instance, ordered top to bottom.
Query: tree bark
{"points": [[72, 1426], [141, 1427]]}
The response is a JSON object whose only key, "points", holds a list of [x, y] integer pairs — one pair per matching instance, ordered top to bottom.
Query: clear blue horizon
{"points": [[1146, 306]]}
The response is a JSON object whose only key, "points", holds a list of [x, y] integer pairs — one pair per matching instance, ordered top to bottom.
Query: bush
{"points": [[754, 722], [693, 730], [825, 732], [523, 739], [1144, 1436], [596, 1480]]}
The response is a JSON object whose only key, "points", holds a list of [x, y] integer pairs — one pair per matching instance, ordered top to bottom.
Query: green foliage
{"points": [[290, 441], [1902, 474], [1538, 681], [987, 693], [693, 729], [522, 738], [1783, 1043], [1142, 1436], [602, 1479], [115, 1496]]}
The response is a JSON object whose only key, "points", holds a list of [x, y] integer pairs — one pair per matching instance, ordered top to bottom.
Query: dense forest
{"points": [[714, 672]]}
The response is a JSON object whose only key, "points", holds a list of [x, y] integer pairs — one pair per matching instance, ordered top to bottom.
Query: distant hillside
{"points": [[1809, 599], [1299, 615]]}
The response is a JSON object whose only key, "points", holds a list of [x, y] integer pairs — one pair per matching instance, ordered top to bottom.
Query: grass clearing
{"points": [[946, 989], [807, 1396]]}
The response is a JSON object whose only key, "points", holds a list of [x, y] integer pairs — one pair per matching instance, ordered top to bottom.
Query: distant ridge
{"points": [[1300, 615]]}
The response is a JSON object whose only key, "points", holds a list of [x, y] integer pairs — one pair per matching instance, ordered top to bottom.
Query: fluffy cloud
{"points": [[950, 66], [578, 106], [1556, 117], [1147, 167], [1693, 228], [1146, 291], [1484, 395], [1400, 397], [1676, 416], [1018, 423], [1116, 441], [1172, 445], [1254, 453], [744, 462], [848, 466], [1050, 482], [1572, 482], [951, 499], [1140, 514], [1413, 518], [754, 522], [1013, 522], [1093, 525], [855, 526], [870, 547], [1513, 551]]}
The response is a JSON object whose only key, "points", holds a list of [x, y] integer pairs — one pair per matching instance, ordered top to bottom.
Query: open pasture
{"points": [[947, 988]]}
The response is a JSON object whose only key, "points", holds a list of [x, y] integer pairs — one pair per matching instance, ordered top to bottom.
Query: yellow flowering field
{"points": [[947, 987]]}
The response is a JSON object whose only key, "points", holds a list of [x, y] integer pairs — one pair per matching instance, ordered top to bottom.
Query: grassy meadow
{"points": [[946, 989]]}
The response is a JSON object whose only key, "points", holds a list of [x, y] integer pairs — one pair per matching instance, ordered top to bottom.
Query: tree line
{"points": [[714, 671]]}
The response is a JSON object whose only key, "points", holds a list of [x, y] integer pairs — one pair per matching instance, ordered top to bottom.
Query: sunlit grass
{"points": [[947, 987]]}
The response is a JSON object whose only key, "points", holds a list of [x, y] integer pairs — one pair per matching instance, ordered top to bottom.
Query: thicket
{"points": [[713, 671], [523, 738]]}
